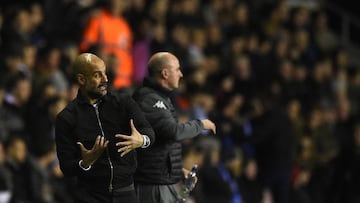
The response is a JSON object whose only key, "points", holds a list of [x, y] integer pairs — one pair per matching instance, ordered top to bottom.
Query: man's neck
{"points": [[165, 85], [87, 98]]}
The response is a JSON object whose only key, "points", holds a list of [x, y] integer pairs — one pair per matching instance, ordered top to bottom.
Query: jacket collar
{"points": [[148, 82]]}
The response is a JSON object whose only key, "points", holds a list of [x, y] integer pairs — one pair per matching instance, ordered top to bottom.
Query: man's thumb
{"points": [[132, 125], [82, 148]]}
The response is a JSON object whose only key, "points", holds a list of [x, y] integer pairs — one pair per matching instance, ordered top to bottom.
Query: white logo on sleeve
{"points": [[159, 104]]}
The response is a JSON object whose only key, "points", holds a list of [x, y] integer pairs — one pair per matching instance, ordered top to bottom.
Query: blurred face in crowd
{"points": [[190, 6], [117, 7], [160, 7], [241, 14], [37, 15], [22, 21], [29, 56], [53, 59], [242, 68], [22, 91], [294, 108], [343, 108], [315, 118], [17, 151], [214, 156], [235, 166], [251, 170]]}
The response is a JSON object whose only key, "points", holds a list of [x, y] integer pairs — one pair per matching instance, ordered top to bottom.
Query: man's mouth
{"points": [[103, 86]]}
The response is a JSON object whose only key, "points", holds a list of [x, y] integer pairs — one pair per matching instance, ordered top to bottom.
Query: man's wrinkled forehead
{"points": [[93, 64]]}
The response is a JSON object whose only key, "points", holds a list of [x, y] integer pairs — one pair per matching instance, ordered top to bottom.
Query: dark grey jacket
{"points": [[161, 163]]}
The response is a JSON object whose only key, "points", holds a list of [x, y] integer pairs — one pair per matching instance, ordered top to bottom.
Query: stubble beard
{"points": [[97, 94]]}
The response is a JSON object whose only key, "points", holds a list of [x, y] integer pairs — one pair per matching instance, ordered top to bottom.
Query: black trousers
{"points": [[157, 193], [87, 196]]}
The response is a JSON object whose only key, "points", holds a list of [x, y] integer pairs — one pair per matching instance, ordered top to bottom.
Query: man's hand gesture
{"points": [[209, 125], [135, 140], [90, 156]]}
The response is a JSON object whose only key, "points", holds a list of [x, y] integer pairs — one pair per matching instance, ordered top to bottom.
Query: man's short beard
{"points": [[95, 95]]}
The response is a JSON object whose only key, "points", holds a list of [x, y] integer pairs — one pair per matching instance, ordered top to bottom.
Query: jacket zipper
{"points": [[96, 106]]}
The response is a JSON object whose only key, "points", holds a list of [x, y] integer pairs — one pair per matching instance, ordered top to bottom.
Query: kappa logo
{"points": [[159, 104]]}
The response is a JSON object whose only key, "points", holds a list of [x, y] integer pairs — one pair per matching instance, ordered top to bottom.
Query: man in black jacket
{"points": [[96, 136], [159, 167]]}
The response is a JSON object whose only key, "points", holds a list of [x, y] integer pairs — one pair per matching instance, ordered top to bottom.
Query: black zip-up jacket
{"points": [[79, 122], [161, 163]]}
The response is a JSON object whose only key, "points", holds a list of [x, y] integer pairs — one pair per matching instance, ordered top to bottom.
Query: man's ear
{"points": [[164, 73], [80, 78]]}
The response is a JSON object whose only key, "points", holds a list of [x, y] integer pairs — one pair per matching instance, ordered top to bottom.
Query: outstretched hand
{"points": [[209, 125], [135, 140], [90, 156]]}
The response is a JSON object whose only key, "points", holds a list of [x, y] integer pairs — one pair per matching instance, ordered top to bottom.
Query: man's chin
{"points": [[103, 93], [97, 95]]}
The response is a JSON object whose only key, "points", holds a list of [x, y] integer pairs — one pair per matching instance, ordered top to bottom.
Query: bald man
{"points": [[96, 135], [159, 167]]}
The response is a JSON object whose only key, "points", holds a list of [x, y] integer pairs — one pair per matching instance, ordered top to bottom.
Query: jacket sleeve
{"points": [[140, 122], [167, 127], [67, 150]]}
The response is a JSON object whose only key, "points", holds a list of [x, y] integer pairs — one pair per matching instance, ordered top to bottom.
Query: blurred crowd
{"points": [[274, 78]]}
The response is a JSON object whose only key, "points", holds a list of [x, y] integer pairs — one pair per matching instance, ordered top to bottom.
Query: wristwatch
{"points": [[146, 141]]}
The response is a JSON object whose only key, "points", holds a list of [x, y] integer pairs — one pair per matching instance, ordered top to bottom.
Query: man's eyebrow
{"points": [[97, 71]]}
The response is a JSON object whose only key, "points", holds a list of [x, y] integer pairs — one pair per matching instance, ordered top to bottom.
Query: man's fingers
{"points": [[132, 125], [209, 125], [133, 128], [214, 129], [124, 137], [102, 141], [97, 142], [106, 143], [123, 143], [100, 144], [103, 144], [82, 148], [122, 149], [125, 152]]}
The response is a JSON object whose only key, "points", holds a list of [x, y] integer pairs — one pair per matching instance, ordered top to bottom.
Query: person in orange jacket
{"points": [[108, 31]]}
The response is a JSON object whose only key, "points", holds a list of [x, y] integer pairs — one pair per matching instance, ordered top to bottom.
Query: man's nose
{"points": [[104, 78]]}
